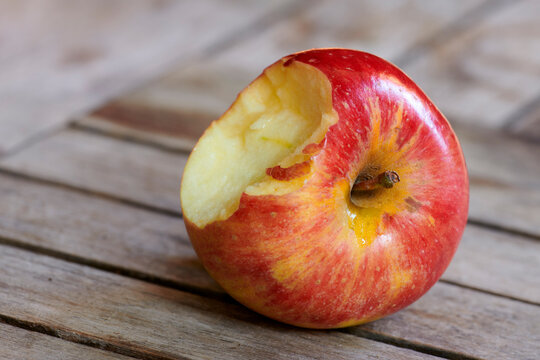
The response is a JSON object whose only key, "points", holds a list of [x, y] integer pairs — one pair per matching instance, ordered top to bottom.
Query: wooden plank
{"points": [[62, 57], [483, 75], [175, 110], [526, 122], [529, 127], [100, 164], [504, 173], [504, 179], [101, 232], [149, 245], [497, 262], [145, 320], [466, 321], [19, 344]]}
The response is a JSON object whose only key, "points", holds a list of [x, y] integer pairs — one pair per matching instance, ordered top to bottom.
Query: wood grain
{"points": [[63, 57], [485, 73], [176, 109], [526, 122], [123, 170], [504, 179], [101, 233], [153, 246], [95, 259], [497, 262], [145, 320], [466, 321], [19, 344]]}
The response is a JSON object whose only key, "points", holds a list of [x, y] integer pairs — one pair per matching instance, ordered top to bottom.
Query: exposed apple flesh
{"points": [[280, 113], [267, 201]]}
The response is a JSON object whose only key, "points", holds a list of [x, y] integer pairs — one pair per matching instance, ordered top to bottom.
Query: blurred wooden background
{"points": [[101, 102]]}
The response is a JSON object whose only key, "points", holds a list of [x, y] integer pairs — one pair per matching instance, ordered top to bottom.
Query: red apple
{"points": [[331, 193]]}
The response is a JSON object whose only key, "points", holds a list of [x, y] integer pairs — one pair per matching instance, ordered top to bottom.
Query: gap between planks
{"points": [[460, 25], [257, 26], [523, 121], [90, 192], [505, 229], [115, 269], [488, 292], [81, 339], [19, 343], [431, 350]]}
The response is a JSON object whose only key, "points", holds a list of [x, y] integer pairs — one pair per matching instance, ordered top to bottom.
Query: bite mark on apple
{"points": [[270, 124], [289, 173]]}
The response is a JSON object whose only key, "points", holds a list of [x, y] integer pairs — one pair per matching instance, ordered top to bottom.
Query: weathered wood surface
{"points": [[62, 57], [485, 73], [176, 109], [526, 122], [119, 169], [504, 172], [504, 177], [100, 232], [154, 246], [95, 260], [497, 262], [132, 317], [148, 321], [467, 322], [19, 344]]}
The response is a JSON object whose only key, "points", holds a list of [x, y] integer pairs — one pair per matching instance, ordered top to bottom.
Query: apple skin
{"points": [[293, 258]]}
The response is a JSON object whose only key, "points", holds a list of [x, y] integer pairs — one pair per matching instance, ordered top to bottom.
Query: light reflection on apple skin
{"points": [[423, 109]]}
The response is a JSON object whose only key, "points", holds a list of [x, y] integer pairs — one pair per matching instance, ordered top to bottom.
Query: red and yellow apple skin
{"points": [[313, 258]]}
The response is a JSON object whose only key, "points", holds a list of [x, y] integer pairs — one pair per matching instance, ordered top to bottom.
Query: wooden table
{"points": [[100, 104]]}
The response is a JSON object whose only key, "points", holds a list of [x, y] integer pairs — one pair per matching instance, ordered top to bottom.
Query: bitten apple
{"points": [[331, 193]]}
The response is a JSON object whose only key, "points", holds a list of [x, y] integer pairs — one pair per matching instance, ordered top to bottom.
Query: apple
{"points": [[331, 193]]}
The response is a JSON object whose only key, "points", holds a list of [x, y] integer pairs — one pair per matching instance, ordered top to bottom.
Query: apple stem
{"points": [[385, 180]]}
